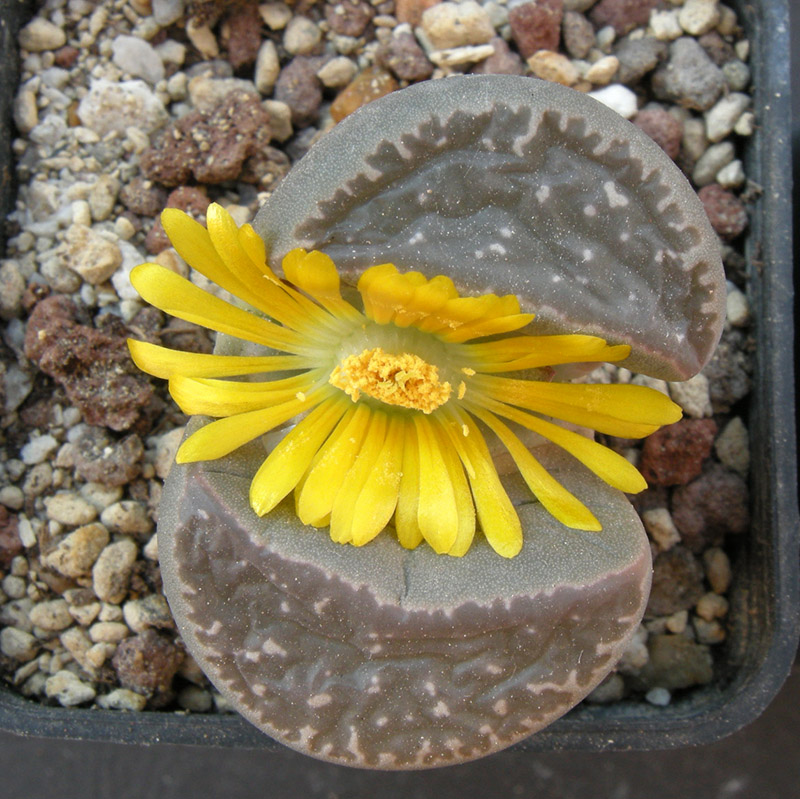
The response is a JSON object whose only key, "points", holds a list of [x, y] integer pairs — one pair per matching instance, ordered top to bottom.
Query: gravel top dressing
{"points": [[130, 106]]}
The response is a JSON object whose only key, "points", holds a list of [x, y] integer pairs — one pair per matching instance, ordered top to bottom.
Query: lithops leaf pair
{"points": [[460, 209]]}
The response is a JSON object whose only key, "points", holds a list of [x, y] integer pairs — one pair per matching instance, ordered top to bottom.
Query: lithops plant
{"points": [[392, 653]]}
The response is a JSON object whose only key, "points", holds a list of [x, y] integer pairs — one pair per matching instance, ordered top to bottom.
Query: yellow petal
{"points": [[178, 297], [490, 327], [531, 352], [164, 362], [209, 397], [627, 411], [223, 436], [289, 460], [605, 463], [317, 492], [461, 492], [353, 497], [378, 498], [559, 502], [437, 513], [405, 518], [498, 519]]}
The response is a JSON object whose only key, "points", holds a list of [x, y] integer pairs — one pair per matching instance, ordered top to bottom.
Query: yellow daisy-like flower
{"points": [[387, 398]]}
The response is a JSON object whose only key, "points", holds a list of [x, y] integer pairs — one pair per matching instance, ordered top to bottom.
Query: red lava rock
{"points": [[411, 11], [622, 15], [349, 17], [243, 25], [536, 25], [65, 57], [404, 58], [504, 61], [299, 87], [663, 128], [209, 146], [142, 197], [725, 211], [91, 364], [674, 455], [100, 459], [711, 507], [10, 544], [677, 582], [146, 663]]}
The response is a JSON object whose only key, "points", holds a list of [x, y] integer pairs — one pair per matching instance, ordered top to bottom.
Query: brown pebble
{"points": [[411, 11], [622, 15], [349, 17], [243, 34], [578, 34], [66, 56], [405, 58], [504, 60], [367, 86], [299, 87], [663, 128], [143, 197], [725, 211], [100, 459], [711, 507], [10, 544], [677, 582], [146, 663]]}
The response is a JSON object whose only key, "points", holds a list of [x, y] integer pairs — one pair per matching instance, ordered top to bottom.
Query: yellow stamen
{"points": [[403, 379]]}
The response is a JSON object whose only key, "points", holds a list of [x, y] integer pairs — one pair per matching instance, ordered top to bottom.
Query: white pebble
{"points": [[165, 12], [276, 16], [697, 17], [447, 25], [664, 25], [41, 34], [301, 36], [138, 58], [268, 67], [603, 70], [337, 72], [618, 98], [110, 106], [722, 117], [746, 124], [711, 161], [731, 176], [738, 308], [693, 395], [733, 446], [38, 449], [12, 497], [70, 509], [128, 517], [660, 527], [112, 571], [52, 616], [108, 632], [18, 644], [68, 690], [660, 697], [122, 699]]}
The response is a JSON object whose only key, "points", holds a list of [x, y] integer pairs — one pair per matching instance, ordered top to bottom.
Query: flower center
{"points": [[403, 379]]}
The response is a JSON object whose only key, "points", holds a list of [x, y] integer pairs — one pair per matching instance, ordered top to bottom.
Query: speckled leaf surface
{"points": [[515, 185], [387, 658]]}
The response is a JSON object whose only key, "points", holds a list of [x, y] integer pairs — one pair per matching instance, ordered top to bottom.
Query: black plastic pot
{"points": [[763, 623]]}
